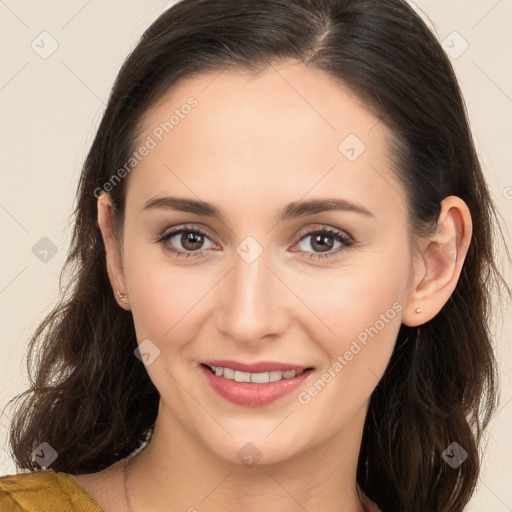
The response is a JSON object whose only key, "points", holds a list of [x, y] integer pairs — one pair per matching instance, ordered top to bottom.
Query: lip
{"points": [[261, 367], [250, 394]]}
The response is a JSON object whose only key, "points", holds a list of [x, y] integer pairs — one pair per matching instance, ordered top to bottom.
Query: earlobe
{"points": [[112, 250], [443, 257]]}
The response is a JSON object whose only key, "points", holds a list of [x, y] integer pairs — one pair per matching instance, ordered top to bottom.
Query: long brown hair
{"points": [[94, 403]]}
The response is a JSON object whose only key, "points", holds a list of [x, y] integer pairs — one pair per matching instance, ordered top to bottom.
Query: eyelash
{"points": [[338, 235]]}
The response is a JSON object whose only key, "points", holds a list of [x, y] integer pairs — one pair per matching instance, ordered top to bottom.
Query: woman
{"points": [[283, 251]]}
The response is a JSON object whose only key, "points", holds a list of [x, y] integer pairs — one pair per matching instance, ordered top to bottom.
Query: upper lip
{"points": [[260, 367]]}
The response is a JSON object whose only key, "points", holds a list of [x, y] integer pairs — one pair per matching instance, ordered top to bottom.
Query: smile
{"points": [[257, 378], [253, 389]]}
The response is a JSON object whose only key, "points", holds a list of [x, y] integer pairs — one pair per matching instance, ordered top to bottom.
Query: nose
{"points": [[251, 303]]}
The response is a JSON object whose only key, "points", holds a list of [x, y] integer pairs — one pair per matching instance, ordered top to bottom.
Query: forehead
{"points": [[293, 96], [290, 127]]}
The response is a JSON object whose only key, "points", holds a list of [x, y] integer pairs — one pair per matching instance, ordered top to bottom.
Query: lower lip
{"points": [[252, 394]]}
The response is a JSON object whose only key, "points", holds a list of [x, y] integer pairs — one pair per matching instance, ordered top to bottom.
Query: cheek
{"points": [[163, 295], [354, 296], [358, 311], [361, 318]]}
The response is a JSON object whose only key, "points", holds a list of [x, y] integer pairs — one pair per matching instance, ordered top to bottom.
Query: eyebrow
{"points": [[290, 211]]}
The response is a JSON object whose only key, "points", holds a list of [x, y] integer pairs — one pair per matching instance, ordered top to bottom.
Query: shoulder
{"points": [[44, 491]]}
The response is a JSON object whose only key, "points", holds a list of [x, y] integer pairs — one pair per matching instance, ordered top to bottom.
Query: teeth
{"points": [[257, 378]]}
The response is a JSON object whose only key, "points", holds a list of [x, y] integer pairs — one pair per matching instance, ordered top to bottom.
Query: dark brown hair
{"points": [[93, 401]]}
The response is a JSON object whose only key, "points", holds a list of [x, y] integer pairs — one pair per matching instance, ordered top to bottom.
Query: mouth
{"points": [[260, 377], [254, 384], [249, 389]]}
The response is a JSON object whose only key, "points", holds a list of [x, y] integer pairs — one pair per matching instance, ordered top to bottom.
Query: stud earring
{"points": [[122, 297], [418, 310]]}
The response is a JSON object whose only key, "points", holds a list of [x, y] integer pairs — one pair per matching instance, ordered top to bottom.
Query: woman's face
{"points": [[256, 284]]}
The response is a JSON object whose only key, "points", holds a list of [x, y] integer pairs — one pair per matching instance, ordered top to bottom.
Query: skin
{"points": [[252, 145]]}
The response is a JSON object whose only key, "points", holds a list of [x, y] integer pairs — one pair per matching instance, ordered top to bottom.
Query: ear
{"points": [[112, 250], [440, 263]]}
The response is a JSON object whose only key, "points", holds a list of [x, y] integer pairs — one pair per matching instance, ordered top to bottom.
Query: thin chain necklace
{"points": [[126, 463]]}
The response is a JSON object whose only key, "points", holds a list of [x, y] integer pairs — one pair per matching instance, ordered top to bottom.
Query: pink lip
{"points": [[261, 367], [251, 394]]}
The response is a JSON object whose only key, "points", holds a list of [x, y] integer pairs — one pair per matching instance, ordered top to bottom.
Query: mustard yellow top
{"points": [[44, 491]]}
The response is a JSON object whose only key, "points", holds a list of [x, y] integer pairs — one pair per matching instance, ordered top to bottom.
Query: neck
{"points": [[177, 472]]}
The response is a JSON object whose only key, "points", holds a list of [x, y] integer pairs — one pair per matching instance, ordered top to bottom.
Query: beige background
{"points": [[52, 106]]}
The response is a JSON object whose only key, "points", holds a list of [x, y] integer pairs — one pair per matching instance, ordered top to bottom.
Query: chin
{"points": [[255, 450]]}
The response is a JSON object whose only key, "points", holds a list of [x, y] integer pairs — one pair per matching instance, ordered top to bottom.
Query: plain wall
{"points": [[50, 108]]}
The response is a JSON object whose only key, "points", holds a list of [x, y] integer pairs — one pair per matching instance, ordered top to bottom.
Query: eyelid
{"points": [[324, 227], [165, 233]]}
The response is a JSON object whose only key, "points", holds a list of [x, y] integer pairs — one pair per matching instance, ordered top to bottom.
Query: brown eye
{"points": [[324, 240], [189, 242], [322, 243]]}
